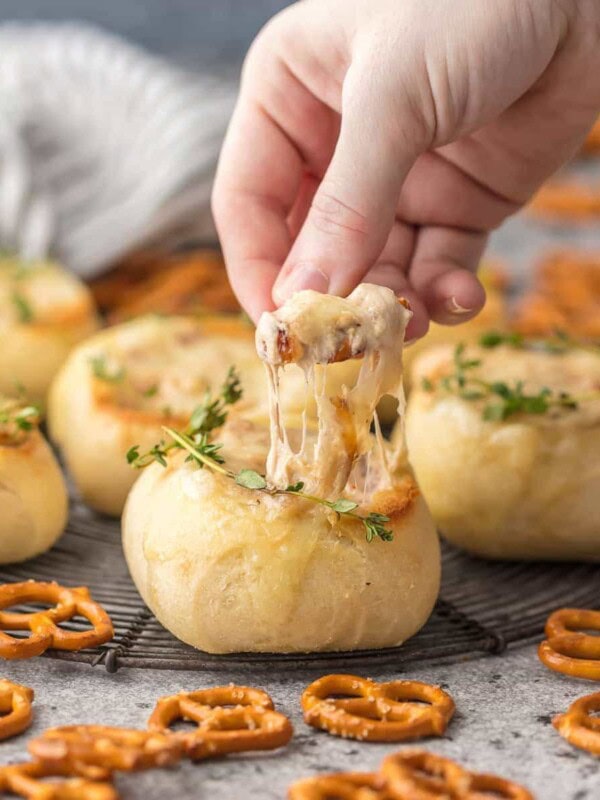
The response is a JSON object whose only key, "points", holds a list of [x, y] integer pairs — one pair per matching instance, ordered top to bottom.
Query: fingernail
{"points": [[302, 276], [455, 308]]}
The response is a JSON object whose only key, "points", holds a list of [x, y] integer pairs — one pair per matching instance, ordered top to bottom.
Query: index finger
{"points": [[258, 177]]}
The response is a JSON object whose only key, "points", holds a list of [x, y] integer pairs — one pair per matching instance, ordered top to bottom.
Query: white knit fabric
{"points": [[102, 146]]}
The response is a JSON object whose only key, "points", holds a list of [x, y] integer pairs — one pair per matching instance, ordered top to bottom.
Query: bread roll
{"points": [[44, 312], [118, 389], [523, 487], [33, 495], [227, 569]]}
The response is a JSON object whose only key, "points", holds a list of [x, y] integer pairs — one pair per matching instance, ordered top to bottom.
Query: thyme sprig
{"points": [[23, 307], [558, 342], [103, 372], [503, 399], [208, 416], [17, 418], [203, 452], [203, 456]]}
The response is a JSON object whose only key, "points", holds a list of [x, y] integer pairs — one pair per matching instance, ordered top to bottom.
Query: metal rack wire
{"points": [[483, 607]]}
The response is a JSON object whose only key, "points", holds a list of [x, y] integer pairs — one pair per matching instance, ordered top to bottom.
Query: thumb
{"points": [[353, 210]]}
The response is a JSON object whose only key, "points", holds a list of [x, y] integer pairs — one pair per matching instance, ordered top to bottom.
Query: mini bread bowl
{"points": [[44, 312], [121, 386], [517, 485], [33, 495], [230, 569]]}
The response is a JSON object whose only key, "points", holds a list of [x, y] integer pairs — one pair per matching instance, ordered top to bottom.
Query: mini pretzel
{"points": [[43, 625], [563, 631], [575, 667], [15, 705], [376, 712], [248, 723], [578, 727], [94, 751], [419, 775], [26, 780], [341, 786], [494, 786]]}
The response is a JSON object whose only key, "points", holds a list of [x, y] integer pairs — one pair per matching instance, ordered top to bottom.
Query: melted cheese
{"points": [[313, 329]]}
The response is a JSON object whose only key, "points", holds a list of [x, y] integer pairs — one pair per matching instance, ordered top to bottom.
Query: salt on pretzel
{"points": [[44, 625], [15, 707], [376, 712], [231, 719], [577, 725], [95, 751], [27, 780], [341, 786]]}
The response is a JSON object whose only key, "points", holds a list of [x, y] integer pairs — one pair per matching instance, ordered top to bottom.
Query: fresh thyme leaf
{"points": [[23, 307], [493, 339], [558, 342], [102, 372], [427, 385], [232, 388], [500, 388], [151, 391], [508, 399], [494, 412], [206, 417], [27, 418], [17, 419], [133, 454], [250, 479], [295, 487], [342, 506], [375, 527]]}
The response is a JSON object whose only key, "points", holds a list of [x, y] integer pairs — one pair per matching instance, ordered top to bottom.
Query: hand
{"points": [[381, 141]]}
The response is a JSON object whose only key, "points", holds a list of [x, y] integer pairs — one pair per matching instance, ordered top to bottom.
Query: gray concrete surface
{"points": [[504, 706]]}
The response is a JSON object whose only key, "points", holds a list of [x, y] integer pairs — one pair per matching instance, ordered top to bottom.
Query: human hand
{"points": [[381, 140]]}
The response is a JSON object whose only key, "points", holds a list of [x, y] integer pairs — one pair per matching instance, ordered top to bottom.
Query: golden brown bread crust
{"points": [[396, 502]]}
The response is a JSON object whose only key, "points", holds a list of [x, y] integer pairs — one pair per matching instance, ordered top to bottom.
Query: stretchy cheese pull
{"points": [[315, 329]]}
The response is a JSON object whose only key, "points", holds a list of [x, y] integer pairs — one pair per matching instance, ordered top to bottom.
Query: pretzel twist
{"points": [[44, 625], [564, 632], [15, 706], [376, 712], [231, 719], [577, 725], [94, 751], [409, 775], [423, 776], [26, 780], [341, 786], [483, 787]]}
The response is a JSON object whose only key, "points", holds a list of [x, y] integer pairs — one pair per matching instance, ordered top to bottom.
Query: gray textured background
{"points": [[193, 32], [504, 703]]}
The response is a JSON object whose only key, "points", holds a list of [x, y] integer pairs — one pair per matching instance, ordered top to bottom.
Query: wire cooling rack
{"points": [[483, 607]]}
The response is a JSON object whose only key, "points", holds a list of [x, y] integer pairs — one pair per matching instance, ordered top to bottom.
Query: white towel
{"points": [[103, 148]]}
